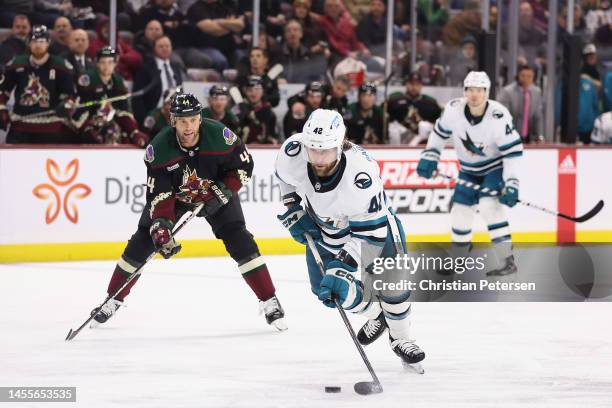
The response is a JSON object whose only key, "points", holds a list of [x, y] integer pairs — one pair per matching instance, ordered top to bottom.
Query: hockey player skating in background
{"points": [[489, 149], [196, 160], [332, 190]]}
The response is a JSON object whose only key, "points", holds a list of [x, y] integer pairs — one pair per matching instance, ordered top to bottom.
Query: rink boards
{"points": [[64, 203]]}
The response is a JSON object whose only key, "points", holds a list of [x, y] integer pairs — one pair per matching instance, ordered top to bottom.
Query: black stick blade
{"points": [[594, 211], [69, 336], [368, 387]]}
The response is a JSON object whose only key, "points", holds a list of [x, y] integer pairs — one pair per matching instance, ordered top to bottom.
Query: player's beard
{"points": [[325, 170]]}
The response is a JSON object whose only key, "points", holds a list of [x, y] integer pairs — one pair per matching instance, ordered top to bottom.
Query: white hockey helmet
{"points": [[477, 79], [324, 129]]}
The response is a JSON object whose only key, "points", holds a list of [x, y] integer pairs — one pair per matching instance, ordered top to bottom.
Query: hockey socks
{"points": [[122, 273], [255, 273]]}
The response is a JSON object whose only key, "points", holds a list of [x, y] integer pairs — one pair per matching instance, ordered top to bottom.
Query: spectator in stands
{"points": [[102, 8], [53, 9], [357, 9], [540, 14], [270, 15], [598, 17], [579, 21], [216, 23], [465, 23], [175, 25], [372, 28], [61, 33], [342, 36], [314, 37], [531, 39], [143, 40], [78, 43], [15, 44], [129, 59], [464, 62], [299, 64], [589, 65], [258, 66], [158, 69], [335, 96], [526, 105], [301, 106], [588, 108], [217, 109], [412, 114], [364, 119], [257, 120], [602, 129]]}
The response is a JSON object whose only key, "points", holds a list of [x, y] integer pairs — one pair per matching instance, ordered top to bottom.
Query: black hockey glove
{"points": [[65, 109], [215, 197], [161, 234]]}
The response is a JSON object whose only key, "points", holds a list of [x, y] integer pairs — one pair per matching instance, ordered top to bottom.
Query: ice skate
{"points": [[508, 268], [105, 313], [274, 313], [372, 330], [409, 352]]}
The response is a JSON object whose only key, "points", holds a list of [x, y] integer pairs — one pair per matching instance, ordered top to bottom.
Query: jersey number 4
{"points": [[375, 203]]}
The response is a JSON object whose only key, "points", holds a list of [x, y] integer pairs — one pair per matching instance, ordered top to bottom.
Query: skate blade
{"points": [[279, 324], [416, 368]]}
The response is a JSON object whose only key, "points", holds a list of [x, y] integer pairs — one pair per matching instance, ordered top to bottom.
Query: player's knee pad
{"points": [[495, 216], [462, 218], [238, 241]]}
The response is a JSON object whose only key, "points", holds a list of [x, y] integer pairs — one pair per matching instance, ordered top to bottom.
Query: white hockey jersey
{"points": [[602, 129], [482, 145], [350, 208]]}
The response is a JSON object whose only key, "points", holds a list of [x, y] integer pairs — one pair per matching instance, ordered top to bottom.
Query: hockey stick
{"points": [[88, 104], [585, 217], [73, 333], [362, 387]]}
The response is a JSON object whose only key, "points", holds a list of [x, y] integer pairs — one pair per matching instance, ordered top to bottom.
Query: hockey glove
{"points": [[65, 109], [5, 119], [428, 163], [509, 194], [215, 197], [298, 223], [161, 234], [339, 282]]}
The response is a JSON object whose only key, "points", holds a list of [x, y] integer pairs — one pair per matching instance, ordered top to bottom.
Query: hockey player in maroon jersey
{"points": [[43, 84], [108, 123], [196, 160]]}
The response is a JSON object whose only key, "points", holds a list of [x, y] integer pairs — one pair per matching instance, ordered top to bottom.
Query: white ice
{"points": [[191, 336]]}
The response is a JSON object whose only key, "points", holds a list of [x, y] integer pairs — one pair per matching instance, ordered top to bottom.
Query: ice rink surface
{"points": [[191, 336]]}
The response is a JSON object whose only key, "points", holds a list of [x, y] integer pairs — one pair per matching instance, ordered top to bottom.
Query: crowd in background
{"points": [[323, 44]]}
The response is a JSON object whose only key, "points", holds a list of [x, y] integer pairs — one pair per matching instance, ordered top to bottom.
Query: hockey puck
{"points": [[333, 389]]}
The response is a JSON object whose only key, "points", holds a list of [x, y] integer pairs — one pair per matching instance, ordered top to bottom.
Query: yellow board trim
{"points": [[81, 251]]}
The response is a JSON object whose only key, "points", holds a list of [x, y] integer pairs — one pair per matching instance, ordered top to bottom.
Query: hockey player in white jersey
{"points": [[489, 149], [332, 190]]}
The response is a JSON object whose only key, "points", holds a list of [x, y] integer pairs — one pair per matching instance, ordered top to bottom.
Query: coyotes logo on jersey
{"points": [[35, 93], [194, 188]]}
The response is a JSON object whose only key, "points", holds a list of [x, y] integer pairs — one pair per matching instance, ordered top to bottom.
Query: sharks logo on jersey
{"points": [[471, 147], [293, 148], [363, 180]]}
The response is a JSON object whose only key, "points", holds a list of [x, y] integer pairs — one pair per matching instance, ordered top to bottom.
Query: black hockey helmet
{"points": [[39, 32], [106, 52], [254, 81], [315, 87], [367, 87], [218, 90], [185, 104]]}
